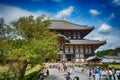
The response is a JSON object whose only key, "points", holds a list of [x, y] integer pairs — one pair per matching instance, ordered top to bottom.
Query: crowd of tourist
{"points": [[66, 68], [69, 69], [96, 73]]}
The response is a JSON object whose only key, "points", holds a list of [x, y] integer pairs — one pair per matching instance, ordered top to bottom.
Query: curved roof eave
{"points": [[65, 25], [60, 35], [84, 42]]}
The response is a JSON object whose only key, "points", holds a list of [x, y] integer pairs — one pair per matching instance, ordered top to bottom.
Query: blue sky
{"points": [[104, 15]]}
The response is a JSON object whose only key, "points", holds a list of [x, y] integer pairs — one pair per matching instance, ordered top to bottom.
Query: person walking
{"points": [[59, 68], [65, 68], [71, 70], [47, 72], [93, 73], [113, 73], [90, 74], [97, 74], [103, 74], [109, 74], [118, 74], [41, 76], [68, 76]]}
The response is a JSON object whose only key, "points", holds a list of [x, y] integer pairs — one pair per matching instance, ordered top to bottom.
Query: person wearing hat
{"points": [[97, 73]]}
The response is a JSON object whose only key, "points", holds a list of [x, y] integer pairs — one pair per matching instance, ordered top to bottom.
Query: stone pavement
{"points": [[56, 75]]}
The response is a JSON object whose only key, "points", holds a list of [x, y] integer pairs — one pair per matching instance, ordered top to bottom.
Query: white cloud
{"points": [[116, 2], [65, 12], [94, 12], [10, 13], [111, 16], [104, 28], [112, 39]]}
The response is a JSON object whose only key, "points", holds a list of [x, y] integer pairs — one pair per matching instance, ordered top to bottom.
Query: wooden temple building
{"points": [[73, 46]]}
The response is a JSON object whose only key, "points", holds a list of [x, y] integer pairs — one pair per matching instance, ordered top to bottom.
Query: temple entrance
{"points": [[69, 57]]}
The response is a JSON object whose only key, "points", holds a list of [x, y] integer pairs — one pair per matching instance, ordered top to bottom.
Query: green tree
{"points": [[4, 41], [35, 45], [4, 48], [109, 52]]}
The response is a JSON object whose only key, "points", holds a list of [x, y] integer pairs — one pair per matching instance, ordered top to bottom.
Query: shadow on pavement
{"points": [[53, 77]]}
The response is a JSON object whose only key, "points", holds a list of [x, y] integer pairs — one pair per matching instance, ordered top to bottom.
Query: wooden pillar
{"points": [[84, 47], [88, 49], [74, 51], [79, 51], [64, 54]]}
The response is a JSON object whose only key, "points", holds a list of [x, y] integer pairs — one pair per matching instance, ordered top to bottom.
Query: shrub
{"points": [[99, 65], [116, 66]]}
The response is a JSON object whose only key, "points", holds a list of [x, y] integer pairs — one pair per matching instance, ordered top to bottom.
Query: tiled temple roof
{"points": [[65, 25], [93, 58]]}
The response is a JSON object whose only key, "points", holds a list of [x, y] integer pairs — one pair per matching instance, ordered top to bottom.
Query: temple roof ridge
{"points": [[71, 23], [63, 24]]}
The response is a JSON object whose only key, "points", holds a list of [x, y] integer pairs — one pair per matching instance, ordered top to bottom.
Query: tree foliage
{"points": [[33, 45], [109, 52]]}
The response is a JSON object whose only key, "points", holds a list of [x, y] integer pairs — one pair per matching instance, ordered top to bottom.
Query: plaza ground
{"points": [[56, 75]]}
